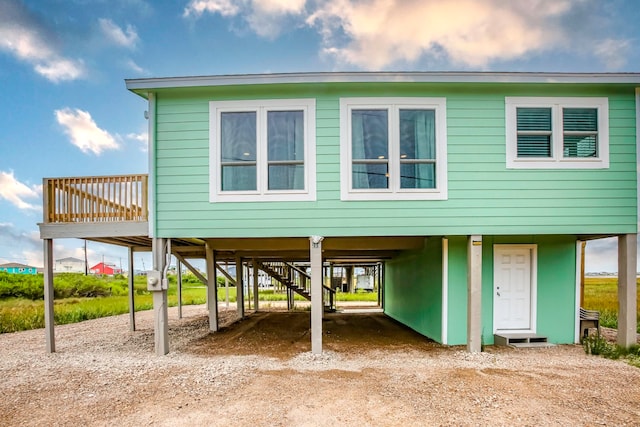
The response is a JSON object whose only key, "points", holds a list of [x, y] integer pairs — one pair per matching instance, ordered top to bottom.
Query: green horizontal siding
{"points": [[484, 197], [413, 289]]}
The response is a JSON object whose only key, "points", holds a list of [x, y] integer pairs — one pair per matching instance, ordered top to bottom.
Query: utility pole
{"points": [[86, 263]]}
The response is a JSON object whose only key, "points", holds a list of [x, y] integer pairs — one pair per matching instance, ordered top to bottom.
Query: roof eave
{"points": [[140, 86]]}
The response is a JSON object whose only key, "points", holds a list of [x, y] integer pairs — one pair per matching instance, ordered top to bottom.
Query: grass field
{"points": [[601, 294], [22, 307], [19, 313]]}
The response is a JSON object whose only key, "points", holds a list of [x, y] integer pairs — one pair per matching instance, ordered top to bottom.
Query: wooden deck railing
{"points": [[95, 199]]}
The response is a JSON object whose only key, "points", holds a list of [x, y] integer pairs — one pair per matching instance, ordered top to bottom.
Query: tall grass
{"points": [[601, 294], [79, 298]]}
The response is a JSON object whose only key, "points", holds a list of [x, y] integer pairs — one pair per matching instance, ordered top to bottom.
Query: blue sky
{"points": [[64, 109]]}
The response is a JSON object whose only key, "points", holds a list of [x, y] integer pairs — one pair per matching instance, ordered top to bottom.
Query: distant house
{"points": [[69, 265], [17, 268], [106, 269]]}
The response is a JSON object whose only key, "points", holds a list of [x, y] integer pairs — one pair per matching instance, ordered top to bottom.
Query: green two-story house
{"points": [[475, 190]]}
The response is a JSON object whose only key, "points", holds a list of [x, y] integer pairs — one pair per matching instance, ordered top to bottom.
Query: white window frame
{"points": [[556, 160], [394, 192], [262, 193]]}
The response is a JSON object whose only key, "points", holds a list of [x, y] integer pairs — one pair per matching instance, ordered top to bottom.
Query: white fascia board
{"points": [[373, 77]]}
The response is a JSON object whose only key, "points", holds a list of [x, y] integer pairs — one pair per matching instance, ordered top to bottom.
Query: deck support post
{"points": [[315, 258], [130, 280], [179, 280], [255, 285], [239, 287], [212, 288], [627, 289], [474, 294], [289, 299], [160, 304], [49, 331]]}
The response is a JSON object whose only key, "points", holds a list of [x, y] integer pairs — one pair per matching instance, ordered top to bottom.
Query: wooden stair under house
{"points": [[296, 280], [521, 340]]}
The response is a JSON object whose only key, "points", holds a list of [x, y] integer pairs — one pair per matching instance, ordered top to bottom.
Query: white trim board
{"points": [[379, 77], [151, 191], [445, 290], [576, 316]]}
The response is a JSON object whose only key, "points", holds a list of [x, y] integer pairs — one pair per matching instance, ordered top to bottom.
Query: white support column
{"points": [[315, 258], [179, 277], [255, 285], [239, 287], [212, 289], [445, 290], [627, 290], [474, 294], [132, 304], [160, 311], [49, 331]]}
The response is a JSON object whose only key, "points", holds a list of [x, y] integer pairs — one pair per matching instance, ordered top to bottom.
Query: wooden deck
{"points": [[95, 199], [108, 209]]}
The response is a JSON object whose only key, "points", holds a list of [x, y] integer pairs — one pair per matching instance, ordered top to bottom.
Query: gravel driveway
{"points": [[259, 371]]}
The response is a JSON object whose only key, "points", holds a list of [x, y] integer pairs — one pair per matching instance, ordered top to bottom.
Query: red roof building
{"points": [[106, 269]]}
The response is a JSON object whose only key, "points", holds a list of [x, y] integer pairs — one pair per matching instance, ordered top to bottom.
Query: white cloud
{"points": [[223, 7], [266, 18], [377, 34], [23, 38], [126, 38], [613, 53], [135, 67], [60, 69], [84, 132], [141, 138], [17, 193], [20, 246], [601, 255]]}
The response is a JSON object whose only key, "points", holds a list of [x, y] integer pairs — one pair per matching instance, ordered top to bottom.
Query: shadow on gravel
{"points": [[285, 334]]}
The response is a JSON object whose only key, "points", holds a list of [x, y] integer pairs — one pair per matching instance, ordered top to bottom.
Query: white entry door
{"points": [[512, 287]]}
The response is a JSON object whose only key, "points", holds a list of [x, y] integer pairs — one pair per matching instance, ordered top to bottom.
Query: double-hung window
{"points": [[567, 133], [393, 148], [262, 150]]}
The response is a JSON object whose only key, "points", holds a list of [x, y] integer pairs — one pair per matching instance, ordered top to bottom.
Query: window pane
{"points": [[534, 119], [580, 119], [369, 134], [417, 134], [285, 135], [238, 136], [534, 145], [580, 146], [370, 175], [418, 175], [286, 177], [239, 178]]}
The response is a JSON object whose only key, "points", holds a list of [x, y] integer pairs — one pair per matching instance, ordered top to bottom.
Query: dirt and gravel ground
{"points": [[259, 371]]}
